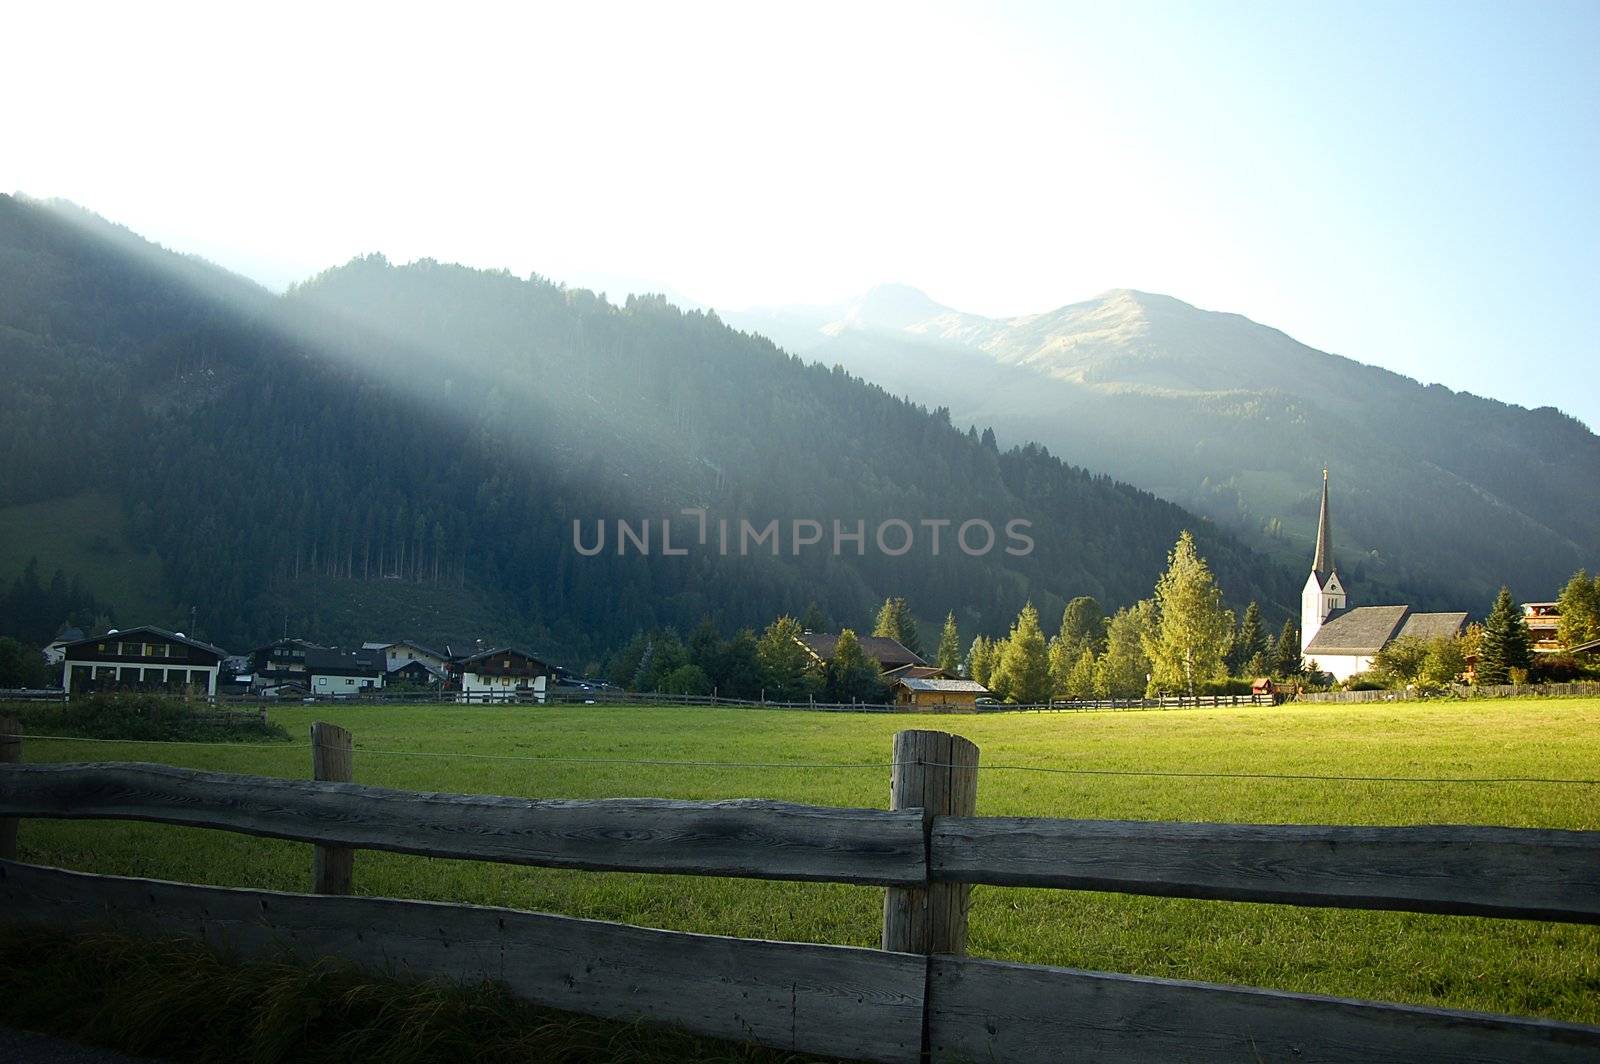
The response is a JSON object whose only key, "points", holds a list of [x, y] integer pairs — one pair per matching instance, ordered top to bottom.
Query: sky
{"points": [[1411, 185]]}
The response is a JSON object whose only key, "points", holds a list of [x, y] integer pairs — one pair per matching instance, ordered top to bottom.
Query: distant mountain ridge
{"points": [[390, 451], [1442, 495]]}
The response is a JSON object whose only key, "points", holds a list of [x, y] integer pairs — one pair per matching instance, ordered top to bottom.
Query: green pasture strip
{"points": [[1509, 966]]}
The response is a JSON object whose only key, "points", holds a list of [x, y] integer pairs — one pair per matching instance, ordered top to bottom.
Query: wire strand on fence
{"points": [[878, 765]]}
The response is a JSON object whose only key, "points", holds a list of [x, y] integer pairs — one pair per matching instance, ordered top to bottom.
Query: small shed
{"points": [[1263, 686], [934, 693]]}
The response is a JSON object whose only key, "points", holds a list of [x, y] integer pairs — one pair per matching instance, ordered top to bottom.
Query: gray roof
{"points": [[1433, 625], [1368, 629], [1363, 630], [917, 683]]}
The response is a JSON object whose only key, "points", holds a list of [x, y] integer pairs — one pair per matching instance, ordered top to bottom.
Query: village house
{"points": [[1544, 622], [1342, 640], [400, 653], [146, 658], [279, 667], [332, 671], [503, 675]]}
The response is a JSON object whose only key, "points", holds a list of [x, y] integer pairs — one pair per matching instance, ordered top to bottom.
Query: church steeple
{"points": [[1322, 564], [1324, 592]]}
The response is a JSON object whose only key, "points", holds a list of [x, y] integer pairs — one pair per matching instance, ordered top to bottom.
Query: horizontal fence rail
{"points": [[743, 838], [1526, 873], [833, 1000], [983, 1010]]}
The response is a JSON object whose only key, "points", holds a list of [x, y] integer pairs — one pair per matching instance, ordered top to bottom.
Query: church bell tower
{"points": [[1324, 592]]}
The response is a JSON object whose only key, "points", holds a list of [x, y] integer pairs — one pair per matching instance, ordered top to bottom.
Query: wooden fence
{"points": [[1524, 690], [918, 998]]}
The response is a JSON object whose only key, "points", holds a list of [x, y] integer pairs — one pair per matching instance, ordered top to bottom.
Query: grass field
{"points": [[1496, 965]]}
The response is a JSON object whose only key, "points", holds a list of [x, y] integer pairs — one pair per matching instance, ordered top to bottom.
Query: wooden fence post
{"points": [[10, 753], [332, 760], [938, 773]]}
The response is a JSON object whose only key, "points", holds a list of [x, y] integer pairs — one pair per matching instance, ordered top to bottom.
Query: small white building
{"points": [[1342, 641]]}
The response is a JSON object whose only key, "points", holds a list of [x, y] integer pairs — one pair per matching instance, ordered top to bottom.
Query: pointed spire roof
{"points": [[1322, 565]]}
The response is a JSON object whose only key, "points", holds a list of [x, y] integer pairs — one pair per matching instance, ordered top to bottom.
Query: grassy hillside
{"points": [[84, 535], [1497, 965]]}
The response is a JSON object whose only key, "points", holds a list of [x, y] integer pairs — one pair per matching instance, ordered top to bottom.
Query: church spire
{"points": [[1323, 563]]}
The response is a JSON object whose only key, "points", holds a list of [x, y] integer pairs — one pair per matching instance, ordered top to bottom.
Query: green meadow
{"points": [[1511, 966]]}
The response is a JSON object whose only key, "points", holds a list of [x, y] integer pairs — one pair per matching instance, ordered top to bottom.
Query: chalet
{"points": [[1544, 622], [1342, 640], [888, 653], [399, 654], [146, 658], [280, 663], [330, 671], [503, 675], [937, 692]]}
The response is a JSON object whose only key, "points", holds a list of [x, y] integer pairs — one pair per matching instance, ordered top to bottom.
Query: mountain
{"points": [[390, 451], [1439, 496]]}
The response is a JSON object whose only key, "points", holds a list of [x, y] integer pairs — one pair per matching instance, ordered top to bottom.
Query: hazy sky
{"points": [[1409, 184]]}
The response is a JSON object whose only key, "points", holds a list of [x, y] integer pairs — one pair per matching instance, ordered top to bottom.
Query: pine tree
{"points": [[1579, 606], [812, 619], [895, 622], [1083, 624], [1193, 631], [1250, 643], [1506, 643], [950, 646], [1286, 657], [980, 660], [1025, 661], [1061, 662], [785, 664], [850, 676]]}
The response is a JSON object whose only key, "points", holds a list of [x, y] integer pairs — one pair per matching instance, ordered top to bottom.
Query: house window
{"points": [[322, 681]]}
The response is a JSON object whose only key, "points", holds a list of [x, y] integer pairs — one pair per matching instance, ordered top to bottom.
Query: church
{"points": [[1341, 640]]}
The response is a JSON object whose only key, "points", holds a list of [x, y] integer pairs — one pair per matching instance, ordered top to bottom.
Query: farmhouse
{"points": [[1342, 640], [888, 653], [398, 654], [146, 658], [331, 671], [503, 674]]}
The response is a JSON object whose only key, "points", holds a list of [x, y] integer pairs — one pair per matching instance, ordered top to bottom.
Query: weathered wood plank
{"points": [[751, 839], [1509, 872], [829, 1000], [982, 1010]]}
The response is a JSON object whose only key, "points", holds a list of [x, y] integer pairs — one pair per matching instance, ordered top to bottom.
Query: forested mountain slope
{"points": [[406, 448], [1439, 496]]}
